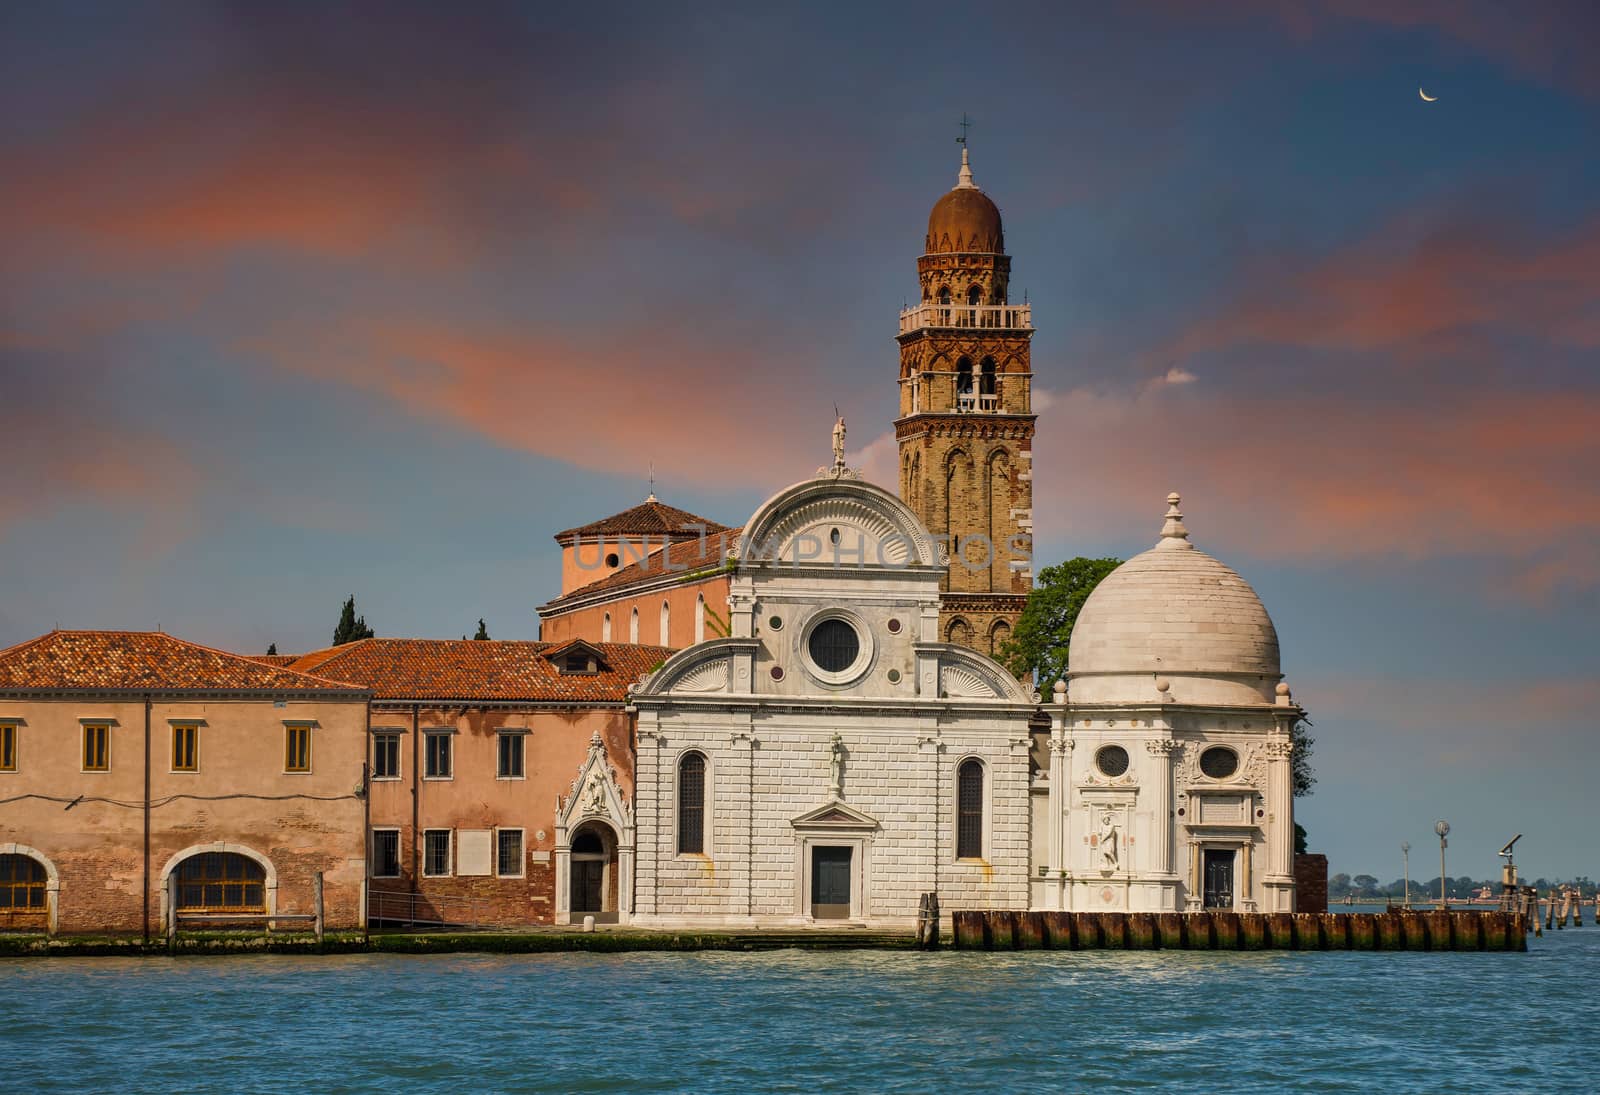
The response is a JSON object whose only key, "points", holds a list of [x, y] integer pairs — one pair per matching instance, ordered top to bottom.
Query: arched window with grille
{"points": [[988, 387], [692, 804], [969, 809], [221, 882], [22, 883]]}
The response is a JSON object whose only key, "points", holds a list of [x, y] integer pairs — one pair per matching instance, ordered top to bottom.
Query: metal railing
{"points": [[1003, 317], [426, 910]]}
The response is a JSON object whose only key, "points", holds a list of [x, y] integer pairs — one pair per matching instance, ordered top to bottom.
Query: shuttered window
{"points": [[691, 804], [969, 810]]}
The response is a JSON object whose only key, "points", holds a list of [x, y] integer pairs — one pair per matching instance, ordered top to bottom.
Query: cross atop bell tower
{"points": [[966, 421]]}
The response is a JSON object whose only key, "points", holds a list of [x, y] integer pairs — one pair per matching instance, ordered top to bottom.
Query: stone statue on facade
{"points": [[838, 442], [836, 767], [1108, 839]]}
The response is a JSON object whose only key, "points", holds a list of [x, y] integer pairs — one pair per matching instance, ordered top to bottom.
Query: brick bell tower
{"points": [[966, 418]]}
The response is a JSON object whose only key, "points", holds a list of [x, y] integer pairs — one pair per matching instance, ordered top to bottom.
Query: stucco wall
{"points": [[589, 623], [475, 798], [300, 823]]}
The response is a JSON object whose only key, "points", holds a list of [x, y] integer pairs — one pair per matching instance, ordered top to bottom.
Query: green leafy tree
{"points": [[351, 627], [483, 632], [1038, 647], [272, 648], [1364, 885]]}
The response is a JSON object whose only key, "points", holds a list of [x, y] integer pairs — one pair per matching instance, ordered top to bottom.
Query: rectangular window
{"points": [[8, 747], [97, 747], [186, 748], [297, 749], [438, 753], [386, 756], [511, 756], [436, 852], [386, 853], [508, 861]]}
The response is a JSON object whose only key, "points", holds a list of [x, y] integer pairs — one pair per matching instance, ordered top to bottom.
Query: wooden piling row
{"points": [[1227, 930]]}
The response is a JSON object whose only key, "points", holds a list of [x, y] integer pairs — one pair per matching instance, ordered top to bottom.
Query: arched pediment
{"points": [[875, 528], [704, 668], [966, 674]]}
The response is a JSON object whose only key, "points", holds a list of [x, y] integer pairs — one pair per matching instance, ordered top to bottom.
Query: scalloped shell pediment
{"points": [[866, 535], [708, 676], [959, 682]]}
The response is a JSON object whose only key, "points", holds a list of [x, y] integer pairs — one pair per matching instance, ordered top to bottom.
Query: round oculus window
{"points": [[613, 559], [775, 622], [894, 627], [834, 646], [777, 672], [894, 676], [1112, 760], [1219, 763]]}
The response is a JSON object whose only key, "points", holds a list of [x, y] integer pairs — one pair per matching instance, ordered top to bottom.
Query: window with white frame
{"points": [[511, 751], [386, 754], [436, 754], [692, 804], [436, 852], [386, 853], [508, 853]]}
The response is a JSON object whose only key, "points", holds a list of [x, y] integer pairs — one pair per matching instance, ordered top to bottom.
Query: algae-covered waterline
{"points": [[795, 1020]]}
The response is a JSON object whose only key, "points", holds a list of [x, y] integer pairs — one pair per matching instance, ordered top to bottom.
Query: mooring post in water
{"points": [[316, 894], [172, 911], [1550, 912]]}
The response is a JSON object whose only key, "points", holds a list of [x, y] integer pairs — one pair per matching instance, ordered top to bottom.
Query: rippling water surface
{"points": [[794, 1021]]}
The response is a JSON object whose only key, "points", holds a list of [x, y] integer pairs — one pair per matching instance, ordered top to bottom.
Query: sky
{"points": [[299, 302]]}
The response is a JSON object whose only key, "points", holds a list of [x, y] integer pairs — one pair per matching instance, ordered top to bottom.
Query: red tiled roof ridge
{"points": [[650, 517], [654, 566], [485, 669], [325, 683]]}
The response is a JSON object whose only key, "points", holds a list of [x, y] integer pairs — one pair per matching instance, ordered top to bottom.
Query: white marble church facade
{"points": [[830, 760]]}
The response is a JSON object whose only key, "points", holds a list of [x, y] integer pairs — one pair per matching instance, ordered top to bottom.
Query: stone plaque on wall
{"points": [[474, 848]]}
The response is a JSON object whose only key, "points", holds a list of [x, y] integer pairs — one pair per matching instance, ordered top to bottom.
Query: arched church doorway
{"points": [[594, 873]]}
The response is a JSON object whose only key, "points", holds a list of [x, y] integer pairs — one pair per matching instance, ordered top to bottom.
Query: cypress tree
{"points": [[351, 627]]}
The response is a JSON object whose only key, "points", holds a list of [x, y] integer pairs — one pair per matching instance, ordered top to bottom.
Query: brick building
{"points": [[472, 745]]}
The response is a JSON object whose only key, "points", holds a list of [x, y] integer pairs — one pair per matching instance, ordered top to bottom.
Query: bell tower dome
{"points": [[966, 421]]}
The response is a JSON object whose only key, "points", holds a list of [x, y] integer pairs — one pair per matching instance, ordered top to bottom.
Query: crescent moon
{"points": [[1426, 97]]}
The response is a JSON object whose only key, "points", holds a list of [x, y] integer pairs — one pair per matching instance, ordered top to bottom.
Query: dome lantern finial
{"points": [[964, 179], [1174, 536]]}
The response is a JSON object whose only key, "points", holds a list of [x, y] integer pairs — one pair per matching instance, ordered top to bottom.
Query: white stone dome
{"points": [[1174, 625]]}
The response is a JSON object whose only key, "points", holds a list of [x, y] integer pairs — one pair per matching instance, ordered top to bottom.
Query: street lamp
{"points": [[1443, 829], [1405, 850]]}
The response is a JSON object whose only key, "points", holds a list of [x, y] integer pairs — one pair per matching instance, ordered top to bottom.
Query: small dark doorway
{"points": [[592, 862], [1218, 879], [830, 883]]}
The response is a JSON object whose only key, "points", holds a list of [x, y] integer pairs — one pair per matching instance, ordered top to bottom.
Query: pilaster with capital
{"points": [[1161, 751], [1280, 808]]}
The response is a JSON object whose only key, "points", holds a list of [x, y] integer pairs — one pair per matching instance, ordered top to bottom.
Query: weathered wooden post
{"points": [[316, 897], [172, 912], [1550, 912], [967, 925], [1440, 927], [1058, 929], [1225, 929], [1000, 930], [1086, 930], [1114, 930], [1495, 930], [1029, 931], [1142, 931], [1169, 931], [1281, 931], [1335, 931], [1388, 931], [1252, 932], [1308, 932], [1363, 932]]}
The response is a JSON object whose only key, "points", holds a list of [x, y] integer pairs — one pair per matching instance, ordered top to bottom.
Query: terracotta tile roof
{"points": [[649, 518], [688, 560], [137, 661], [473, 669]]}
